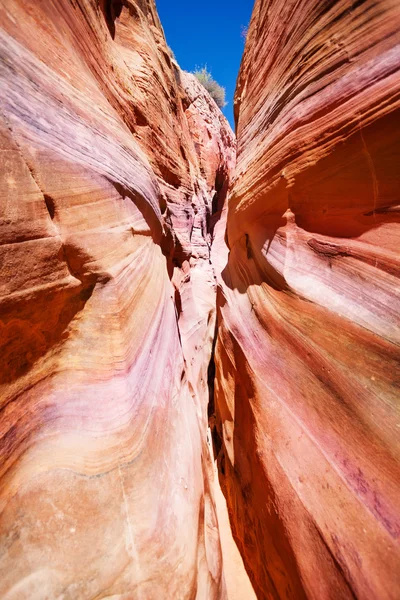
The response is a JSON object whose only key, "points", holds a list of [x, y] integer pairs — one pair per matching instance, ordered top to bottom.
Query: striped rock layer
{"points": [[115, 165], [114, 233], [307, 357]]}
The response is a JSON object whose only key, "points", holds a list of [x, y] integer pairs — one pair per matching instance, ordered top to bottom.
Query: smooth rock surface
{"points": [[116, 166], [307, 357]]}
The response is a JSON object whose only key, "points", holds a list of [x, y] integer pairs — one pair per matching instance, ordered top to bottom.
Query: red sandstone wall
{"points": [[111, 159], [307, 386]]}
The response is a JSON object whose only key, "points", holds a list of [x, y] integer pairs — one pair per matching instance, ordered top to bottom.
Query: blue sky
{"points": [[208, 32]]}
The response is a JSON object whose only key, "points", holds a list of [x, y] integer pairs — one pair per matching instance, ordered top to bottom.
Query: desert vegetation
{"points": [[216, 91]]}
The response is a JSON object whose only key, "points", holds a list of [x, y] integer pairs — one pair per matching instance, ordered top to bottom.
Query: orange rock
{"points": [[114, 163], [116, 167], [307, 352]]}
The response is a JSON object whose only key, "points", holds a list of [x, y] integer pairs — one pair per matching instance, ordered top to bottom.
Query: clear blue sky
{"points": [[208, 32]]}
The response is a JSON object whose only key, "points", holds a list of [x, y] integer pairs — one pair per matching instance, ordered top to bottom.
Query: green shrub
{"points": [[216, 91]]}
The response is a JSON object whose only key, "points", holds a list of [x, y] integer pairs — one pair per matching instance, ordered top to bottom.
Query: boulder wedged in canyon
{"points": [[116, 166], [307, 356]]}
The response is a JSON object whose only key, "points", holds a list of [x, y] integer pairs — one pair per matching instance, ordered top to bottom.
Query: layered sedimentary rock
{"points": [[115, 166], [308, 344]]}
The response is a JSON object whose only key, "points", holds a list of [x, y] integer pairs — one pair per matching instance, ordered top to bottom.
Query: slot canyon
{"points": [[199, 330]]}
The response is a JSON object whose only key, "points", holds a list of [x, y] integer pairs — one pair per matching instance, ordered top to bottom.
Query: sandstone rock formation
{"points": [[116, 166], [114, 231], [307, 354]]}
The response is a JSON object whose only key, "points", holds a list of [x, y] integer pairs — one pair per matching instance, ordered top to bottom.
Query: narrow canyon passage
{"points": [[183, 313]]}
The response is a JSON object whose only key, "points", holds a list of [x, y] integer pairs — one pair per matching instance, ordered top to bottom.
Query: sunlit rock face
{"points": [[115, 166], [307, 351]]}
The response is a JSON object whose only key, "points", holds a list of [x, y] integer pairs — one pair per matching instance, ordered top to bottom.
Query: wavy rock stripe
{"points": [[116, 166], [307, 357]]}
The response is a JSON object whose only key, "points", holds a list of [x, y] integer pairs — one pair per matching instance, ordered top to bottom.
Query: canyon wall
{"points": [[115, 166], [114, 229], [307, 357]]}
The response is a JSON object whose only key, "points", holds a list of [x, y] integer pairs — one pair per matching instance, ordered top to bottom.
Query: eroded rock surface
{"points": [[116, 165], [113, 228], [308, 345]]}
